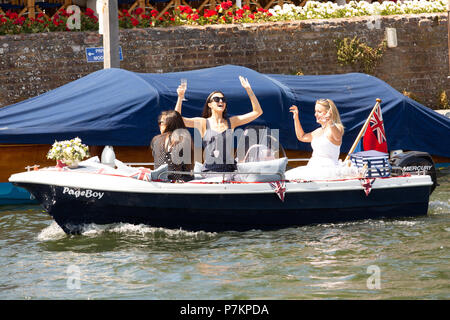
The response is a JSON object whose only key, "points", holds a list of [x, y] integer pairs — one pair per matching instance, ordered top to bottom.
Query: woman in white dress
{"points": [[325, 141]]}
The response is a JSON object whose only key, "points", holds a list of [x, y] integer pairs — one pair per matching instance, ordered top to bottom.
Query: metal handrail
{"points": [[152, 163], [192, 173]]}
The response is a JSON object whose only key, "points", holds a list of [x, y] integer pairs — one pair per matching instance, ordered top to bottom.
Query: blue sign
{"points": [[96, 54]]}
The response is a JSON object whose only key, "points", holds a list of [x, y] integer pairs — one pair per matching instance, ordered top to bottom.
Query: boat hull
{"points": [[72, 208]]}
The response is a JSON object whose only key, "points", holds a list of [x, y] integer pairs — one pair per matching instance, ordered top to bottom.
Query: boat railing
{"points": [[152, 163], [215, 173]]}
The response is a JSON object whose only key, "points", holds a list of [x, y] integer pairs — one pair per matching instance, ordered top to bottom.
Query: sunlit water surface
{"points": [[409, 257]]}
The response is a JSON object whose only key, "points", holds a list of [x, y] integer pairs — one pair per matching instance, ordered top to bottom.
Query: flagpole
{"points": [[362, 130]]}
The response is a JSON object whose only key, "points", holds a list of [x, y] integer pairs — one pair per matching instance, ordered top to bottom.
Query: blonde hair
{"points": [[334, 113]]}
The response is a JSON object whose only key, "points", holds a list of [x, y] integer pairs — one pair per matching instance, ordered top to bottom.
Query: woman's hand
{"points": [[245, 83], [181, 90], [294, 111], [327, 117]]}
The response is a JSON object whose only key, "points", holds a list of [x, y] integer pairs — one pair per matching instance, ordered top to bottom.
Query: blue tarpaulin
{"points": [[118, 107]]}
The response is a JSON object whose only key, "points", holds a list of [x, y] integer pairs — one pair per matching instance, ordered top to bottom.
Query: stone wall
{"points": [[31, 64]]}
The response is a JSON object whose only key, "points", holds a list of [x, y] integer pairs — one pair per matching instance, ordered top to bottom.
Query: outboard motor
{"points": [[414, 162]]}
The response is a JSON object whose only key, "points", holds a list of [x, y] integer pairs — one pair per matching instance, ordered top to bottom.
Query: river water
{"points": [[405, 258]]}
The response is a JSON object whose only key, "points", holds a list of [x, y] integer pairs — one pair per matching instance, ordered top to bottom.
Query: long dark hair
{"points": [[207, 110], [172, 119]]}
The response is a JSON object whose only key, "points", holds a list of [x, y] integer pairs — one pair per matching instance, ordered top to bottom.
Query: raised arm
{"points": [[181, 90], [240, 120], [197, 122], [335, 132], [301, 135]]}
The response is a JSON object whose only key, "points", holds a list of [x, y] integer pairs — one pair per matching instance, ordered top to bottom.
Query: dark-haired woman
{"points": [[216, 128], [173, 146]]}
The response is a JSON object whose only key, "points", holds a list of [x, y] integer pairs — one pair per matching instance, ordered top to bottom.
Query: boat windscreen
{"points": [[259, 143]]}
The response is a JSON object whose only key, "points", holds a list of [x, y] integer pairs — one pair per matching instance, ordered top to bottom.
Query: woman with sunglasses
{"points": [[216, 128], [325, 141], [173, 146]]}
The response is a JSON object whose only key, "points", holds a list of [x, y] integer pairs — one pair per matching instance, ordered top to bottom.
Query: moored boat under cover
{"points": [[120, 108], [76, 197]]}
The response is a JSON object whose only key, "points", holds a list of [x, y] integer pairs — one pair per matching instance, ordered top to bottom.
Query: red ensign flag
{"points": [[375, 137]]}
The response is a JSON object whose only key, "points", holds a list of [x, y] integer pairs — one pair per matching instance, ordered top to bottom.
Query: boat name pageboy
{"points": [[83, 193]]}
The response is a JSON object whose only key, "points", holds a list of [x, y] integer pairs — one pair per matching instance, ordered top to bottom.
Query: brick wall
{"points": [[31, 64]]}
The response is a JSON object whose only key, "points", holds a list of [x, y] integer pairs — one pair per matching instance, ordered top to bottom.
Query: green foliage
{"points": [[357, 53], [411, 95], [443, 100]]}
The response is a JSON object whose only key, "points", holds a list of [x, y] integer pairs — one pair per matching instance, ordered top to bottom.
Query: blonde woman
{"points": [[325, 141]]}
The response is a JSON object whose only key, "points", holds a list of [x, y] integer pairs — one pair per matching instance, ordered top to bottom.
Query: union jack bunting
{"points": [[143, 174], [367, 185], [280, 188]]}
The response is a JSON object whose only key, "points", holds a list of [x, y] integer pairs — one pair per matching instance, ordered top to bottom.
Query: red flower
{"points": [[226, 5], [245, 7], [185, 9], [138, 11], [89, 12], [154, 12], [209, 13], [12, 15], [195, 16], [251, 16], [20, 20], [134, 22]]}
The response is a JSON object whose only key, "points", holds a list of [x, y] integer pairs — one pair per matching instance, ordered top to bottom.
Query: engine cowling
{"points": [[414, 162]]}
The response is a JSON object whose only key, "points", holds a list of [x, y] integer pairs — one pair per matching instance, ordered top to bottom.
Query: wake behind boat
{"points": [[96, 193]]}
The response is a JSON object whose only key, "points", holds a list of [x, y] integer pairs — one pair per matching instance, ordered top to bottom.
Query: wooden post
{"points": [[31, 10], [110, 35]]}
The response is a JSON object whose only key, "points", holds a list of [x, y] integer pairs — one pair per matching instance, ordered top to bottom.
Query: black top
{"points": [[215, 147], [174, 149]]}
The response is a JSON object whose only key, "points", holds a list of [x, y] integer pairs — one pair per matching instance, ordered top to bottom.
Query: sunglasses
{"points": [[217, 99]]}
